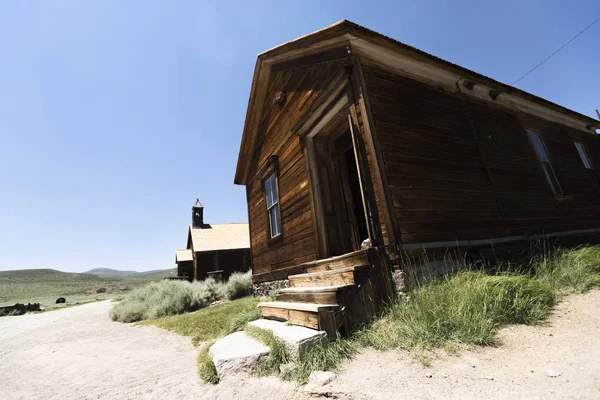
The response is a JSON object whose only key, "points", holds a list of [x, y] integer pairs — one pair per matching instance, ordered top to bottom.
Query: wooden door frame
{"points": [[340, 97], [336, 104], [381, 184]]}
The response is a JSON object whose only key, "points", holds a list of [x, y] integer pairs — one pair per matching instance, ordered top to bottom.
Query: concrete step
{"points": [[334, 277], [313, 294]]}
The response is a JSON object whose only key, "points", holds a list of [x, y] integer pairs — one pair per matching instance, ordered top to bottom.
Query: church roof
{"points": [[220, 237], [183, 255]]}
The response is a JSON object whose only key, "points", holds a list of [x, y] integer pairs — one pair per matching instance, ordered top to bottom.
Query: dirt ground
{"points": [[78, 353]]}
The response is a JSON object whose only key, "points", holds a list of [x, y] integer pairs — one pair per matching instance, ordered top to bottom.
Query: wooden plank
{"points": [[346, 260], [312, 280], [308, 297], [294, 317]]}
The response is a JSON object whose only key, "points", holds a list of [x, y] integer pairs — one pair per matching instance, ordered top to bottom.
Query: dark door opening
{"points": [[357, 205], [345, 223]]}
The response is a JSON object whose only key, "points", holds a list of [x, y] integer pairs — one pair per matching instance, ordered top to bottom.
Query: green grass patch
{"points": [[569, 271], [465, 308], [211, 322], [322, 358], [269, 364], [205, 365]]}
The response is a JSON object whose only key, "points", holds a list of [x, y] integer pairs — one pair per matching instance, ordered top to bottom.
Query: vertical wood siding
{"points": [[436, 165], [228, 261]]}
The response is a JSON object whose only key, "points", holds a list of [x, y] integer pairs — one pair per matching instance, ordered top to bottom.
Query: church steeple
{"points": [[198, 215]]}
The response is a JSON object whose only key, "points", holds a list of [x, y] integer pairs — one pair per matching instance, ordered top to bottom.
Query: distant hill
{"points": [[43, 275], [133, 275], [46, 285]]}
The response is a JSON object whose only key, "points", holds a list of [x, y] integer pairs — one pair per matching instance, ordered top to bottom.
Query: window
{"points": [[542, 154], [586, 160], [587, 163], [272, 197]]}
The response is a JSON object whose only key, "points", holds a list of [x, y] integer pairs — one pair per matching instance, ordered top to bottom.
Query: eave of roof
{"points": [[345, 30]]}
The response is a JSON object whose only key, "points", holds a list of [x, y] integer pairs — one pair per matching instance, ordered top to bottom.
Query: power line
{"points": [[560, 48]]}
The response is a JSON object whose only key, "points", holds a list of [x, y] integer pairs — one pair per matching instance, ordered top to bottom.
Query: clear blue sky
{"points": [[116, 115]]}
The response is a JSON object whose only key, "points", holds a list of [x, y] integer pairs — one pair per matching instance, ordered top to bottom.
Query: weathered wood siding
{"points": [[435, 164], [374, 180], [522, 190], [298, 244], [228, 261], [186, 268]]}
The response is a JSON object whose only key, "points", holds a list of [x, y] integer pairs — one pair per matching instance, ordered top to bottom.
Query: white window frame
{"points": [[541, 151], [272, 203]]}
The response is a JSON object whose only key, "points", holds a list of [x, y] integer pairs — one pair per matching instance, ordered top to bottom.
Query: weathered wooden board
{"points": [[342, 276]]}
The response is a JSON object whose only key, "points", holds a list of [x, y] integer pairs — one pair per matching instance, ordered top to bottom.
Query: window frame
{"points": [[583, 155], [546, 162], [269, 170], [275, 205]]}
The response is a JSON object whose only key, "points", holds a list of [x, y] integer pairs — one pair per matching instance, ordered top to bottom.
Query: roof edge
{"points": [[300, 46]]}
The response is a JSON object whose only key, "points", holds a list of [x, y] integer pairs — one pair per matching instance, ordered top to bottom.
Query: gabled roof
{"points": [[362, 41], [219, 237], [183, 255]]}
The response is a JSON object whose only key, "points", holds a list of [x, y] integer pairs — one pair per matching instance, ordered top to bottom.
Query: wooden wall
{"points": [[435, 164], [374, 181], [275, 260], [229, 261], [186, 268]]}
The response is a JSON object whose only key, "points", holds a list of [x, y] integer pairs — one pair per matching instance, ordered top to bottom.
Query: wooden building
{"points": [[352, 137], [215, 250]]}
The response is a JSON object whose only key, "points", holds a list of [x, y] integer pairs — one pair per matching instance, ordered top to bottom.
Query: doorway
{"points": [[339, 193]]}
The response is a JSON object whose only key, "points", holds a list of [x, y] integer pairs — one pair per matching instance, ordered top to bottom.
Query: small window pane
{"points": [[538, 146], [583, 155], [551, 178], [271, 191], [272, 200], [274, 221]]}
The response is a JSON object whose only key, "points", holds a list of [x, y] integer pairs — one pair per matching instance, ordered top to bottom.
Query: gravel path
{"points": [[78, 353]]}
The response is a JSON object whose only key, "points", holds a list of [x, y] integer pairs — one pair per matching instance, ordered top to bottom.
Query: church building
{"points": [[215, 250]]}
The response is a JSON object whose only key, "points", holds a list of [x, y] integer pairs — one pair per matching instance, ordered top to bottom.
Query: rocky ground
{"points": [[78, 353]]}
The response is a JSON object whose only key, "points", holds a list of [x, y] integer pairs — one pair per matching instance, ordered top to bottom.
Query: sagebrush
{"points": [[239, 285], [169, 297]]}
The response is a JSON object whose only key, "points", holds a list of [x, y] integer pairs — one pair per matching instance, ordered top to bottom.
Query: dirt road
{"points": [[78, 353], [519, 369]]}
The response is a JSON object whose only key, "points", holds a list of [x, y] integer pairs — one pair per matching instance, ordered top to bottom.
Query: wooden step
{"points": [[359, 257], [335, 277], [313, 294], [311, 315]]}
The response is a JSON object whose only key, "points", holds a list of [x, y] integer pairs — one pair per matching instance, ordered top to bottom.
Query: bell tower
{"points": [[198, 215]]}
